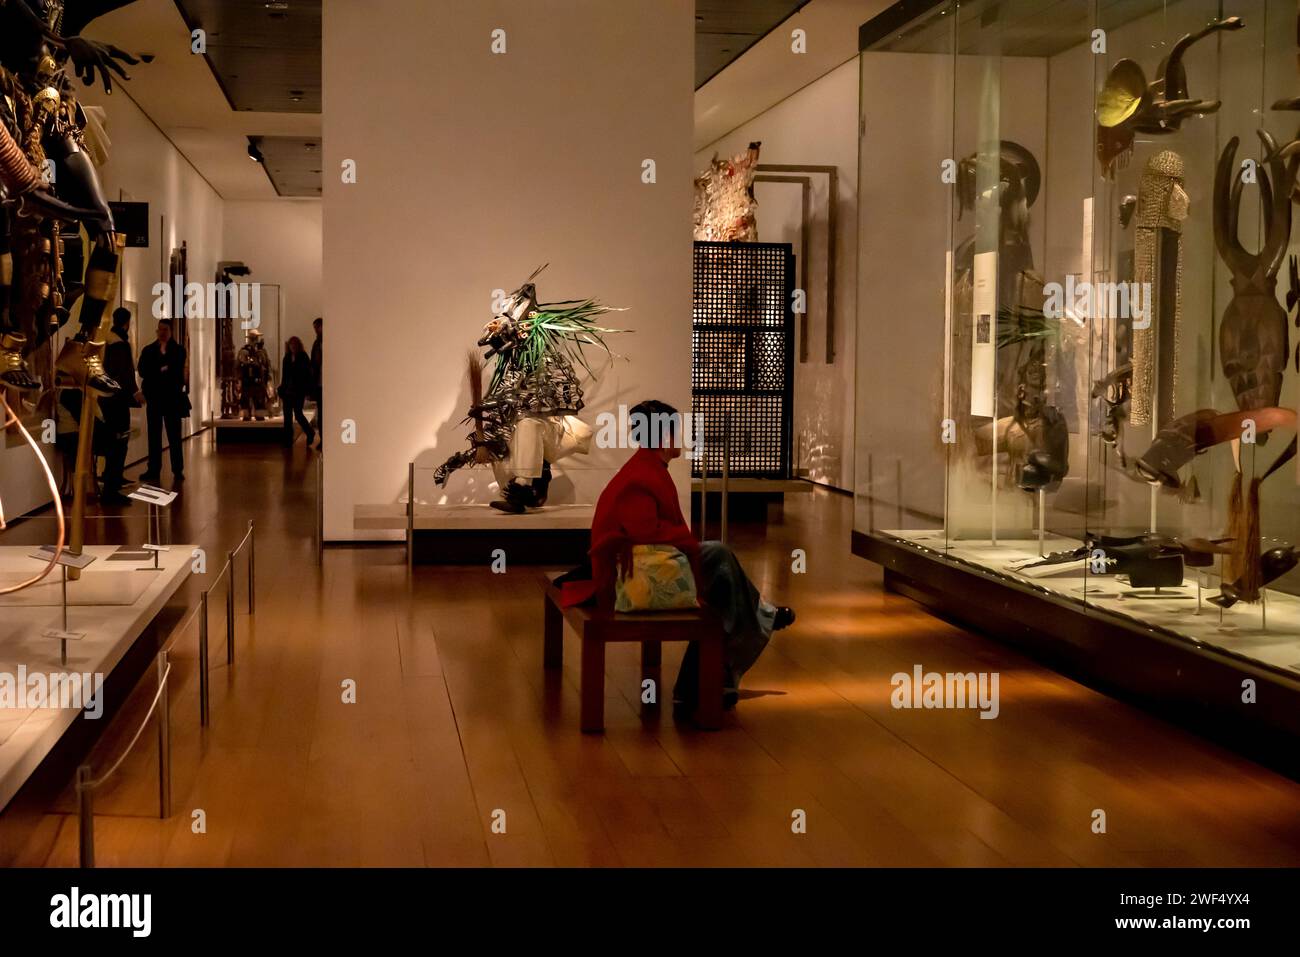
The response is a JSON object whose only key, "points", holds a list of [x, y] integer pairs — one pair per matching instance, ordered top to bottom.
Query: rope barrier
{"points": [[162, 687]]}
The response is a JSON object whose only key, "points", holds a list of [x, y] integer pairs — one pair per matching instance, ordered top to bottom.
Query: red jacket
{"points": [[639, 506]]}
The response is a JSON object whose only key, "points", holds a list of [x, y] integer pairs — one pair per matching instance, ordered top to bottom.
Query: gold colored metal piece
{"points": [[1122, 95], [48, 100], [99, 283], [11, 352], [81, 362], [81, 474]]}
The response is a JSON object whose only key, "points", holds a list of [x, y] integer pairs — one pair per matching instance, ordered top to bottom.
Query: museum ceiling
{"points": [[725, 29], [266, 56], [260, 79], [292, 162]]}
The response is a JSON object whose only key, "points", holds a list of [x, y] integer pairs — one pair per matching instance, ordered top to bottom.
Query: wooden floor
{"points": [[455, 726]]}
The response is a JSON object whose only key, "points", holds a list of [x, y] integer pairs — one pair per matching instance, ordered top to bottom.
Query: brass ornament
{"points": [[1128, 104]]}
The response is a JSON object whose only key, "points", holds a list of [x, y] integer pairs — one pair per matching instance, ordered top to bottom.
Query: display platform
{"points": [[232, 431], [755, 486], [748, 498], [472, 534], [109, 587], [1267, 631], [1169, 652], [29, 733]]}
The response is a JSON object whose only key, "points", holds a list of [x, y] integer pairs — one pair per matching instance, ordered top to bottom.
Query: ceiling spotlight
{"points": [[254, 153]]}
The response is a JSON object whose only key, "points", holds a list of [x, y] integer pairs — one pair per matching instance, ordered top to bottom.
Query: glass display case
{"points": [[249, 352], [1078, 374]]}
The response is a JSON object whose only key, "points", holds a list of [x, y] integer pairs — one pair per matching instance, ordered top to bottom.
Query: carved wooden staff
{"points": [[475, 366]]}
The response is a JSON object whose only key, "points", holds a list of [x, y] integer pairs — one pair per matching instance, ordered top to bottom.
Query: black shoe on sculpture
{"points": [[517, 497], [784, 618]]}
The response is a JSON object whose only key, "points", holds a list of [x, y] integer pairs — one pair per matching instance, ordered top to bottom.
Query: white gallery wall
{"points": [[817, 126], [143, 166], [473, 168], [280, 240]]}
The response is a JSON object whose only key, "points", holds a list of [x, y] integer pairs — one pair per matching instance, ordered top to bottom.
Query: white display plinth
{"points": [[471, 517], [27, 734]]}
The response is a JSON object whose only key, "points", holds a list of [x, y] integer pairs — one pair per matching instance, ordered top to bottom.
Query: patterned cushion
{"points": [[661, 580]]}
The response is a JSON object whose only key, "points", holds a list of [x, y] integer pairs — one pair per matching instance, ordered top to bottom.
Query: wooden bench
{"points": [[596, 627]]}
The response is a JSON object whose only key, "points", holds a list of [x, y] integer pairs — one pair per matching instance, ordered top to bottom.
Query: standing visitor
{"points": [[119, 365], [162, 376], [296, 384]]}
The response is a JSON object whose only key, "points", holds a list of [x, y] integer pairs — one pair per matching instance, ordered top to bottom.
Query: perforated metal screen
{"points": [[743, 355]]}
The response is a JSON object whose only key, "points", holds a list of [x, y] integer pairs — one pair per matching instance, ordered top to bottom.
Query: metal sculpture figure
{"points": [[44, 130], [47, 180], [528, 418]]}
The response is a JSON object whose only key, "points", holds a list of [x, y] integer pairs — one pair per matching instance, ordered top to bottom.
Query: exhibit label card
{"points": [[984, 340]]}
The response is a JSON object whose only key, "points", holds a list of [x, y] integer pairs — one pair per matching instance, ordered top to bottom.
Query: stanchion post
{"points": [[726, 473], [704, 492], [320, 511], [410, 516], [251, 577], [230, 610], [203, 659], [164, 741], [85, 817]]}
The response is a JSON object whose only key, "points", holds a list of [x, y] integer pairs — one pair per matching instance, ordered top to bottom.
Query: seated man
{"points": [[640, 507]]}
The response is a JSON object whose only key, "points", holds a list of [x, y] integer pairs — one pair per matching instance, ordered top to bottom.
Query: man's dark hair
{"points": [[121, 318], [165, 322], [654, 424]]}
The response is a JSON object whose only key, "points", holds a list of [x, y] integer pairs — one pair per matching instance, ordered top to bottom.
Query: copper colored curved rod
{"points": [[11, 418], [1229, 425], [1186, 437]]}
